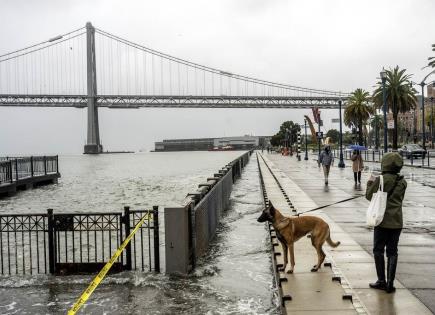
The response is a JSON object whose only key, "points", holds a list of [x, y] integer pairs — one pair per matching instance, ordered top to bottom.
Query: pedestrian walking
{"points": [[326, 159], [357, 166], [386, 234]]}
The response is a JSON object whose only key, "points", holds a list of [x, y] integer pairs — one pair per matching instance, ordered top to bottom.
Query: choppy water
{"points": [[108, 182], [234, 277]]}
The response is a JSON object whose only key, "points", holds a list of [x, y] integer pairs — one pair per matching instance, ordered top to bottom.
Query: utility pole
{"points": [[341, 162]]}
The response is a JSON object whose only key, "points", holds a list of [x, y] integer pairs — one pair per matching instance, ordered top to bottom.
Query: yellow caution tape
{"points": [[96, 281]]}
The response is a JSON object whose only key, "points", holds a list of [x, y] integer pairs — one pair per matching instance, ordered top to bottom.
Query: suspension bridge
{"points": [[66, 70]]}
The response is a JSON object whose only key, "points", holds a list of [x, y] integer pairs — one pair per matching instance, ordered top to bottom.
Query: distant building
{"points": [[412, 121], [205, 144]]}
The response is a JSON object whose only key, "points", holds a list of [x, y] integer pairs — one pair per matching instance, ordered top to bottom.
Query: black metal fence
{"points": [[376, 156], [17, 168], [190, 228], [77, 242], [24, 244]]}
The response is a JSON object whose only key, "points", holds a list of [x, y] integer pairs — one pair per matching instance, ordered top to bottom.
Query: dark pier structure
{"points": [[20, 173]]}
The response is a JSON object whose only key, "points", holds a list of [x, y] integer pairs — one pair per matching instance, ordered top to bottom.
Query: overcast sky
{"points": [[336, 45]]}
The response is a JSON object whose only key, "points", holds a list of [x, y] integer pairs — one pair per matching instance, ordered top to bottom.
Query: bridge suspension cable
{"points": [[54, 67], [59, 67], [230, 76]]}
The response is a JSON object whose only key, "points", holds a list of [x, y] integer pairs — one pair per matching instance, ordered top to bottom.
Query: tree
{"points": [[432, 59], [400, 96], [358, 111], [377, 123], [287, 131], [334, 134], [347, 138], [275, 140]]}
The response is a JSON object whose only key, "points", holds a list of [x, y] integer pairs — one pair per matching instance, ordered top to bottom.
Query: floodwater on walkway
{"points": [[234, 277]]}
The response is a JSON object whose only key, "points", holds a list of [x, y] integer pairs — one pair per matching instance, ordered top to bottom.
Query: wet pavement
{"points": [[416, 269], [311, 293]]}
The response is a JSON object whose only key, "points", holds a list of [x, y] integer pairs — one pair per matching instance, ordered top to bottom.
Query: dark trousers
{"points": [[357, 176], [386, 238]]}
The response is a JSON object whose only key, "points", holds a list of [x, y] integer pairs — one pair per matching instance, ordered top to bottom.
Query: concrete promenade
{"points": [[352, 260]]}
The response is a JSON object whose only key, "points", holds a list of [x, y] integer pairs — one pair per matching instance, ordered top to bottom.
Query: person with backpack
{"points": [[326, 159], [387, 233]]}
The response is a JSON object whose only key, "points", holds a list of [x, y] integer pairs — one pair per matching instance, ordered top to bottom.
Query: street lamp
{"points": [[422, 84], [384, 108], [414, 119], [375, 120], [431, 120], [423, 123], [287, 138], [340, 138], [318, 140], [306, 144]]}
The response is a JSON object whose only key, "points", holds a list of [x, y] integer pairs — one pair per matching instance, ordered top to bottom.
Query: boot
{"points": [[380, 271], [391, 274]]}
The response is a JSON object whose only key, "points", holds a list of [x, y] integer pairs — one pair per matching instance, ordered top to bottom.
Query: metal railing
{"points": [[376, 156], [13, 169], [189, 229], [77, 242]]}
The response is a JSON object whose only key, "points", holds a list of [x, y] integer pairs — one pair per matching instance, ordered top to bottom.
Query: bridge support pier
{"points": [[93, 145]]}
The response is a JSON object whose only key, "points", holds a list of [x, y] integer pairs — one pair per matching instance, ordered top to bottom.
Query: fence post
{"points": [[412, 159], [428, 159], [57, 164], [45, 165], [31, 166], [16, 170], [10, 171], [127, 233], [156, 239], [51, 243]]}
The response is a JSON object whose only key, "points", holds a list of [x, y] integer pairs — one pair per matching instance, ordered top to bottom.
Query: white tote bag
{"points": [[376, 210]]}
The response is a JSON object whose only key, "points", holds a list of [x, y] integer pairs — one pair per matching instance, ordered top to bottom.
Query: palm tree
{"points": [[400, 96], [358, 111], [376, 123]]}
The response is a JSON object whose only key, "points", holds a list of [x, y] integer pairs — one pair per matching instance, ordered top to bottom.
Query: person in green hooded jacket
{"points": [[387, 233]]}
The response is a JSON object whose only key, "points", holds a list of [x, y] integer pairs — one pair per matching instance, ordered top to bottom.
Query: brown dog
{"points": [[289, 230]]}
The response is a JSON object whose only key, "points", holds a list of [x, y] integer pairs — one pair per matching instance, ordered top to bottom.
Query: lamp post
{"points": [[422, 84], [384, 108], [414, 120], [431, 121], [376, 122], [423, 123], [287, 138], [340, 138], [318, 141], [306, 144]]}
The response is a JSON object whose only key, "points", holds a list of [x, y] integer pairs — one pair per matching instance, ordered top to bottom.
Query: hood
{"points": [[391, 162]]}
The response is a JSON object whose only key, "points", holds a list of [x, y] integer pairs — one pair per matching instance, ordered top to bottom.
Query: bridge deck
{"points": [[176, 101]]}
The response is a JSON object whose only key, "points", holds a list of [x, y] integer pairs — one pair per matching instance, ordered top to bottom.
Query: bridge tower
{"points": [[93, 145]]}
